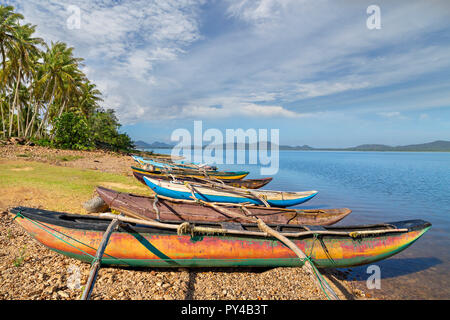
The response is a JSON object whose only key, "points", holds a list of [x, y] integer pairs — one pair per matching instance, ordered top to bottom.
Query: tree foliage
{"points": [[44, 94], [71, 131], [105, 131]]}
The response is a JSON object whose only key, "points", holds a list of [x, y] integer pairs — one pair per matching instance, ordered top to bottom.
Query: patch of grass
{"points": [[24, 155], [53, 158], [69, 158], [50, 177], [56, 187], [10, 234], [18, 261], [82, 291]]}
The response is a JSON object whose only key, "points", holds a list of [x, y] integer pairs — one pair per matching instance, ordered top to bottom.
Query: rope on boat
{"points": [[244, 192], [155, 207], [184, 228], [187, 228]]}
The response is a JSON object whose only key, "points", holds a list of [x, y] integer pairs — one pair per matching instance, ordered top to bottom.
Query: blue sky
{"points": [[309, 68]]}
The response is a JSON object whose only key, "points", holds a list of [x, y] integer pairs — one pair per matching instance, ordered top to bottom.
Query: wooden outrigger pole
{"points": [[96, 263]]}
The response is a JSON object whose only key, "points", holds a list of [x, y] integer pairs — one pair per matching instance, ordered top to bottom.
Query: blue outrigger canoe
{"points": [[178, 190]]}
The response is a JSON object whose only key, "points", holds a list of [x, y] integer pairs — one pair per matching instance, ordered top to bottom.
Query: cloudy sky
{"points": [[312, 69]]}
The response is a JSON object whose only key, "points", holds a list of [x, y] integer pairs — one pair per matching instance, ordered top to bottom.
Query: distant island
{"points": [[155, 145], [436, 146]]}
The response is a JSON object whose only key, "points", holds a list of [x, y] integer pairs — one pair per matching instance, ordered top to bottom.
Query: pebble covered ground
{"points": [[28, 270]]}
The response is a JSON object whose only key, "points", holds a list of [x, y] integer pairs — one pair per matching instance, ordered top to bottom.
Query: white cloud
{"points": [[257, 10], [261, 58], [324, 88], [225, 107], [390, 114]]}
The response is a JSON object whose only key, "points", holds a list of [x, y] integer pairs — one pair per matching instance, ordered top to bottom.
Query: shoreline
{"points": [[40, 275]]}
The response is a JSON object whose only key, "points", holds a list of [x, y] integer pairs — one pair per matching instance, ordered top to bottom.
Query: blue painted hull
{"points": [[175, 194]]}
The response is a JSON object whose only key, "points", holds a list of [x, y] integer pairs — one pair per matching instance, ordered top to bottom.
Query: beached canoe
{"points": [[168, 164], [180, 175], [219, 175], [179, 190], [188, 210], [166, 245]]}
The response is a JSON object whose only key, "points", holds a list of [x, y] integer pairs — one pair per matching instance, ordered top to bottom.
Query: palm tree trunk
{"points": [[3, 57], [14, 104], [62, 108], [59, 115], [11, 117], [33, 118], [3, 120], [25, 125], [39, 132]]}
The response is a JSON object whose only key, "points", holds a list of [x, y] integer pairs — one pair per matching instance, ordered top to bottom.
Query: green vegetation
{"points": [[45, 97], [104, 130], [71, 132], [24, 155], [68, 158], [69, 181], [18, 261]]}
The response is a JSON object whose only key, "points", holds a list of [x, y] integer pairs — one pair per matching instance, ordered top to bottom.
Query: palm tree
{"points": [[8, 25], [22, 55], [60, 71], [37, 86], [90, 96]]}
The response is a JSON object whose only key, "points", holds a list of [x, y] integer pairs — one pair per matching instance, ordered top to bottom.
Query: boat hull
{"points": [[170, 164], [224, 176], [245, 184], [179, 191], [143, 207], [139, 246]]}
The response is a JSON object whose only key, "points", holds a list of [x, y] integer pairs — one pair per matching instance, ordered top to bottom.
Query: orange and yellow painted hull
{"points": [[153, 247]]}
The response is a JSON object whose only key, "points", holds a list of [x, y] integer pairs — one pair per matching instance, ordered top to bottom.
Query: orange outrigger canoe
{"points": [[164, 245]]}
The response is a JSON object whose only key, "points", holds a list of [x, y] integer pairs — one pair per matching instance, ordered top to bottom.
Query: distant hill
{"points": [[155, 145], [431, 146], [436, 146], [304, 147]]}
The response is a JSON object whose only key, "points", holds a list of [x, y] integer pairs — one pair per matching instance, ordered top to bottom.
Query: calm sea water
{"points": [[380, 187]]}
